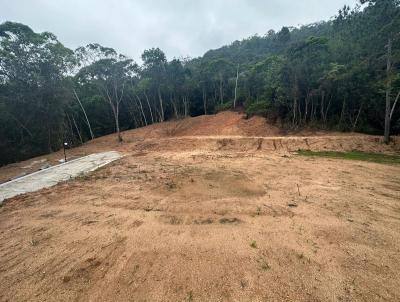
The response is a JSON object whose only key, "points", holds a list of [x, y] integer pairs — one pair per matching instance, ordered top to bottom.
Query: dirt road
{"points": [[211, 219]]}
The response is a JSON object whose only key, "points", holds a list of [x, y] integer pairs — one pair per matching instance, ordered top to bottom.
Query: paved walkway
{"points": [[53, 175]]}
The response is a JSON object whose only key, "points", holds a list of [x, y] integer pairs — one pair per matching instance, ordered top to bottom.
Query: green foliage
{"points": [[329, 74], [33, 91], [260, 108], [355, 155]]}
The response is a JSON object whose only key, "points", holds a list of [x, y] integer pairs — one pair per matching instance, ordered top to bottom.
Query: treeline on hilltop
{"points": [[339, 74]]}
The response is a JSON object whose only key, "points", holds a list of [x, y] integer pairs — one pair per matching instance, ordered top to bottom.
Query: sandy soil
{"points": [[209, 218]]}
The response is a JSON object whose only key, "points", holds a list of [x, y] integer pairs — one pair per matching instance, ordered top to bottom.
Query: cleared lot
{"points": [[209, 219]]}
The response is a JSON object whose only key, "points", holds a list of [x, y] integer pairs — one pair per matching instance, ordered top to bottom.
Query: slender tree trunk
{"points": [[236, 86], [388, 92], [221, 96], [307, 101], [205, 102], [148, 104], [161, 105], [186, 105], [322, 105], [394, 105], [174, 106], [115, 107], [141, 109], [312, 110], [327, 110], [343, 110], [115, 111], [84, 112], [132, 112], [300, 113], [157, 114], [294, 118], [135, 120], [356, 120], [142, 122], [21, 124], [70, 126], [117, 126], [77, 129]]}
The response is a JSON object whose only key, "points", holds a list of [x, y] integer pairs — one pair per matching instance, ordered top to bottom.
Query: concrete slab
{"points": [[53, 175]]}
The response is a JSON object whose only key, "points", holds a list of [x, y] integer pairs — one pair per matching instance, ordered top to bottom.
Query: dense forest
{"points": [[340, 74]]}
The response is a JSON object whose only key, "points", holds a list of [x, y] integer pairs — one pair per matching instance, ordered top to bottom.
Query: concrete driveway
{"points": [[53, 175]]}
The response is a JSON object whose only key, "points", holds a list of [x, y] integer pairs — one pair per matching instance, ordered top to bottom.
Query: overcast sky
{"points": [[178, 27]]}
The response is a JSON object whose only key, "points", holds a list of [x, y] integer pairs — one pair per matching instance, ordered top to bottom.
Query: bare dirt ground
{"points": [[226, 215]]}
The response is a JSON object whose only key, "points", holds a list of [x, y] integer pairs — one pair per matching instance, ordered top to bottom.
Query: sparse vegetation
{"points": [[354, 155], [83, 177], [171, 185], [229, 220], [253, 244], [263, 264], [190, 296]]}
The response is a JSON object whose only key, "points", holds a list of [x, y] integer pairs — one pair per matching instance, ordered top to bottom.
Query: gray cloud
{"points": [[179, 27]]}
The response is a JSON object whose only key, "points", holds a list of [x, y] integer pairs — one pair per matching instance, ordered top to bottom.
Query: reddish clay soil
{"points": [[229, 213]]}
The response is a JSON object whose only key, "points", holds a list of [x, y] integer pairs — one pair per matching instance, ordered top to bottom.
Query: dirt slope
{"points": [[226, 130]]}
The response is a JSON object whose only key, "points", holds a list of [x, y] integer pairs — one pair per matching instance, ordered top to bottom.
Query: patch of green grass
{"points": [[355, 155]]}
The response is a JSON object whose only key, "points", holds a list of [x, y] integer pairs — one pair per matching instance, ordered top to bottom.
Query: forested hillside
{"points": [[338, 74]]}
